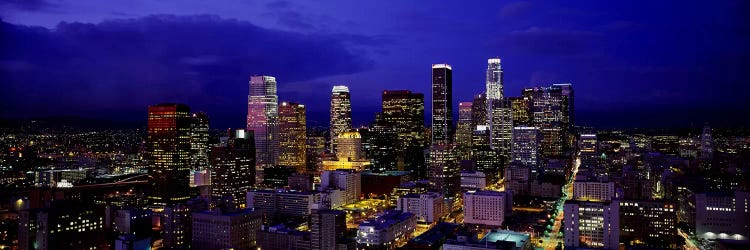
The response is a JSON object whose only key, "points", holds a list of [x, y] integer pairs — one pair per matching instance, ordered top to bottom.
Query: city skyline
{"points": [[672, 71]]}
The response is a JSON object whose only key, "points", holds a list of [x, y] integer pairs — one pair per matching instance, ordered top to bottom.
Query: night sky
{"points": [[632, 63]]}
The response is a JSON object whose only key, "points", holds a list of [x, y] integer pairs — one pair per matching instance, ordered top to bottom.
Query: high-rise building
{"points": [[494, 79], [442, 104], [520, 106], [479, 111], [341, 113], [568, 113], [403, 114], [547, 114], [262, 119], [500, 122], [464, 129], [292, 136], [199, 141], [707, 143], [384, 145], [587, 145], [349, 146], [526, 146], [168, 147], [315, 149], [233, 166], [444, 170], [350, 182], [593, 190], [428, 207], [487, 207], [722, 215], [176, 221], [592, 224], [648, 224], [70, 225], [326, 228], [231, 229]]}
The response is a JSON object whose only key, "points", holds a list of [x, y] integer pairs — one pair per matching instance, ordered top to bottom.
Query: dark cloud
{"points": [[28, 5], [278, 5], [515, 9], [545, 41], [126, 64]]}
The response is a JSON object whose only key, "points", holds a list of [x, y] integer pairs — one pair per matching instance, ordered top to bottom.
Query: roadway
{"points": [[550, 242]]}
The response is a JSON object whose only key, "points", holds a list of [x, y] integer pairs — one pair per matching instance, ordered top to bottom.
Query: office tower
{"points": [[494, 79], [442, 104], [520, 106], [479, 111], [341, 113], [403, 113], [568, 113], [546, 114], [262, 120], [501, 126], [464, 130], [292, 135], [199, 141], [707, 143], [384, 145], [587, 145], [526, 146], [315, 149], [168, 151], [349, 154], [489, 162], [233, 166], [444, 170], [350, 182], [593, 190], [286, 203], [428, 207], [487, 208], [722, 215], [132, 221], [177, 222], [68, 224], [592, 224], [648, 224], [326, 228], [225, 229], [388, 229]]}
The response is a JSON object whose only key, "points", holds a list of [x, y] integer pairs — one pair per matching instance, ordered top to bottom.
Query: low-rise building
{"points": [[428, 207], [487, 208], [225, 229], [387, 230]]}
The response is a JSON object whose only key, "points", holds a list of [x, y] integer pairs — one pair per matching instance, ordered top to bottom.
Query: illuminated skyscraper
{"points": [[494, 79], [442, 104], [521, 106], [479, 111], [341, 113], [568, 113], [403, 114], [547, 114], [262, 119], [501, 126], [464, 130], [292, 135], [199, 141], [707, 143], [587, 144], [526, 146], [168, 147], [233, 166], [444, 169]]}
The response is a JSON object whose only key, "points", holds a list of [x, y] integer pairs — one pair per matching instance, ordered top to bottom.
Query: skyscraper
{"points": [[494, 79], [442, 104], [479, 111], [499, 111], [546, 112], [341, 113], [403, 113], [568, 113], [262, 119], [464, 130], [293, 135], [199, 141], [707, 143], [526, 145], [587, 145], [169, 153], [233, 166], [444, 169], [326, 227]]}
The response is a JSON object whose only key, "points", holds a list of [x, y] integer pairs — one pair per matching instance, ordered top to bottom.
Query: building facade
{"points": [[442, 104], [263, 121], [293, 136], [169, 150]]}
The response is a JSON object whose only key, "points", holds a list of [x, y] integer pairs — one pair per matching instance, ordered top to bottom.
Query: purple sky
{"points": [[632, 63]]}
